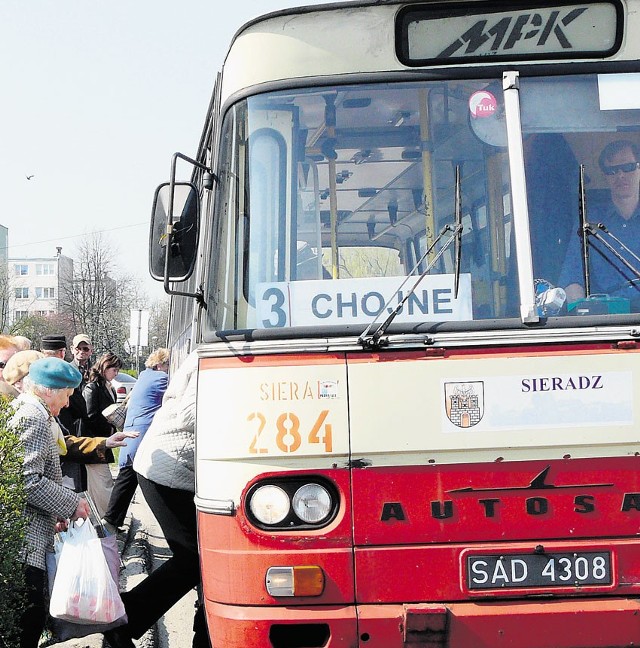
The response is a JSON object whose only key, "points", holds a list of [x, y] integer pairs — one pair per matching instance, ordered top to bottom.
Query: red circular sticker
{"points": [[482, 104]]}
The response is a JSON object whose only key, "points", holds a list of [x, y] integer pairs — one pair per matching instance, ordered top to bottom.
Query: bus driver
{"points": [[619, 161]]}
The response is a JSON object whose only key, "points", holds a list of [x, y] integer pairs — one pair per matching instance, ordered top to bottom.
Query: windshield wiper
{"points": [[456, 229], [588, 229], [592, 230], [583, 231], [458, 233], [374, 339]]}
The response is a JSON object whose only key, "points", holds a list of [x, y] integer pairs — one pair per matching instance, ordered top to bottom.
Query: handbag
{"points": [[116, 413], [83, 580]]}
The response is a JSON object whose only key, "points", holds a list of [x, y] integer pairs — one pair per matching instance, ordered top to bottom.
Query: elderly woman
{"points": [[46, 391], [99, 394], [144, 401], [79, 450]]}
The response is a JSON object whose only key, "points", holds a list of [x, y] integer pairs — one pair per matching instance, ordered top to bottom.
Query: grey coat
{"points": [[166, 453], [47, 498]]}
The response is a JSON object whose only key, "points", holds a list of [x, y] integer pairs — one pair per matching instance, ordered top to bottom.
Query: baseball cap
{"points": [[81, 337]]}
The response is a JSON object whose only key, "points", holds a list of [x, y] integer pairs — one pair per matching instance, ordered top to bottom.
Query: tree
{"points": [[366, 262], [5, 287], [98, 301], [158, 323], [35, 327], [12, 530]]}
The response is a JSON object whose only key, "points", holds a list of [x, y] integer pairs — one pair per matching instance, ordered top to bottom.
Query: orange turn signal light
{"points": [[300, 580]]}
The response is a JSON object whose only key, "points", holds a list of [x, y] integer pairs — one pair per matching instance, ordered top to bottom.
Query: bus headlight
{"points": [[292, 503], [312, 503], [270, 504]]}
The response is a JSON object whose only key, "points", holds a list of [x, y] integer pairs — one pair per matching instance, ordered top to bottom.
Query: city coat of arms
{"points": [[464, 403]]}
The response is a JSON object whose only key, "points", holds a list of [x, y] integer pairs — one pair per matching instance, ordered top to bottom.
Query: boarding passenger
{"points": [[144, 401], [166, 473]]}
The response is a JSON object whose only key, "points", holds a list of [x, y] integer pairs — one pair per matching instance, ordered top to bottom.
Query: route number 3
{"points": [[289, 435]]}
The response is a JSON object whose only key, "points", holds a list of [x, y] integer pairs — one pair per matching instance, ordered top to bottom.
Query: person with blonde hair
{"points": [[22, 342], [8, 347], [17, 367], [144, 401]]}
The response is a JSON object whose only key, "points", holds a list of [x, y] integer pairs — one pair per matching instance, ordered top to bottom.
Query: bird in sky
{"points": [[29, 177]]}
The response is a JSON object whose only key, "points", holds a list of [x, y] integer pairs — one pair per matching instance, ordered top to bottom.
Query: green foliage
{"points": [[35, 327], [130, 372], [12, 530]]}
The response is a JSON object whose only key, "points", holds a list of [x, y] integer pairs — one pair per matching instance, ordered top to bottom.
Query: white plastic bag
{"points": [[84, 590]]}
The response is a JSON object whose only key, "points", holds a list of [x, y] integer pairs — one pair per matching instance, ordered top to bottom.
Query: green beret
{"points": [[54, 373]]}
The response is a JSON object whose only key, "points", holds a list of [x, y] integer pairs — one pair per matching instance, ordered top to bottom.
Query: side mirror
{"points": [[173, 238]]}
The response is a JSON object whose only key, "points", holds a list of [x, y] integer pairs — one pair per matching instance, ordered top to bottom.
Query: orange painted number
{"points": [[316, 437], [288, 438], [253, 448]]}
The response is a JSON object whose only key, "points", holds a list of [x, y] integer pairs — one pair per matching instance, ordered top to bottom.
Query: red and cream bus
{"points": [[411, 429]]}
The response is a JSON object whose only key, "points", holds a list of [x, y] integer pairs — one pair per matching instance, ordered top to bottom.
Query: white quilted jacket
{"points": [[166, 453]]}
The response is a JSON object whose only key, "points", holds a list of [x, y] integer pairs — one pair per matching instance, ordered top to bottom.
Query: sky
{"points": [[96, 96]]}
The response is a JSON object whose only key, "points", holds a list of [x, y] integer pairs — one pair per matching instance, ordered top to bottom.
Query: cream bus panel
{"points": [[321, 44], [310, 45], [280, 411], [453, 411], [259, 418]]}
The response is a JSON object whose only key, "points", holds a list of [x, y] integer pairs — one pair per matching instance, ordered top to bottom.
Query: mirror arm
{"points": [[191, 161], [199, 294]]}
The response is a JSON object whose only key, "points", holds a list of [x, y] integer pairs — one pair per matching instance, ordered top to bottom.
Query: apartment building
{"points": [[36, 286]]}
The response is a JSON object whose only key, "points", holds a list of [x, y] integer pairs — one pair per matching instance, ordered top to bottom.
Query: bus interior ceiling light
{"points": [[399, 118]]}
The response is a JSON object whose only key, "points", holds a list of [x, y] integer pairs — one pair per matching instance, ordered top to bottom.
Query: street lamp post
{"points": [[139, 333]]}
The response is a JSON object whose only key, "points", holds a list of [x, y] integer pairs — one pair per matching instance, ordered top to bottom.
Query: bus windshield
{"points": [[331, 197]]}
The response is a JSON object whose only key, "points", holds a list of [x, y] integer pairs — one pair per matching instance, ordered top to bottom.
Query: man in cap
{"points": [[54, 346], [82, 350], [74, 417]]}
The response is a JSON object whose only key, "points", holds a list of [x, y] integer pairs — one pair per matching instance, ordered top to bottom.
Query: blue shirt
{"points": [[607, 274], [144, 402]]}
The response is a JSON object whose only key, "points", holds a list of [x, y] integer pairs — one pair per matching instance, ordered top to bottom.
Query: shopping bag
{"points": [[116, 414], [85, 589], [64, 630]]}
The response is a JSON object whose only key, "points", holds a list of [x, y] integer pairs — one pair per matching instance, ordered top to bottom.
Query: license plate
{"points": [[538, 570]]}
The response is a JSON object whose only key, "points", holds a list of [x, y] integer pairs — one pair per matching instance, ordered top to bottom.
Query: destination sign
{"points": [[441, 34], [360, 301]]}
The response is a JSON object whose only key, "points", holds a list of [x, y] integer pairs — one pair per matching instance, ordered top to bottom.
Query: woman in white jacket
{"points": [[166, 474]]}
